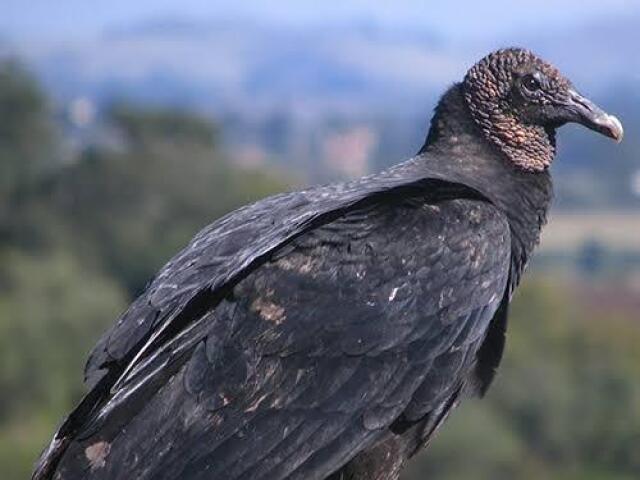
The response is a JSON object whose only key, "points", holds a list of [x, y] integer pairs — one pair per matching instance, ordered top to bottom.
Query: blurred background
{"points": [[127, 126]]}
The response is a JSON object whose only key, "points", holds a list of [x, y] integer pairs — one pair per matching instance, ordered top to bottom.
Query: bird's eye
{"points": [[531, 83]]}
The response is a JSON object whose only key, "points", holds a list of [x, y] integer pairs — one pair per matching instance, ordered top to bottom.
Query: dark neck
{"points": [[451, 120], [456, 149]]}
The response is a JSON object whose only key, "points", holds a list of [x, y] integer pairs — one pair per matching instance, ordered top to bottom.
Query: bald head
{"points": [[518, 100]]}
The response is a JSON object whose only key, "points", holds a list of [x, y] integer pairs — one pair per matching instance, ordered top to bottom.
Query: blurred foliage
{"points": [[23, 119], [126, 210], [79, 238], [51, 309], [565, 404]]}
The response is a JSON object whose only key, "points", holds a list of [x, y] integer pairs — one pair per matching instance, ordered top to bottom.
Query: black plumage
{"points": [[328, 333]]}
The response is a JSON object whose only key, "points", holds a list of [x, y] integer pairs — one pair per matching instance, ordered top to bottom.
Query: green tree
{"points": [[26, 137], [130, 209], [51, 309]]}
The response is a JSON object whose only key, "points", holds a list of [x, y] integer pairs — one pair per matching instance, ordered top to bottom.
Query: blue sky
{"points": [[72, 18]]}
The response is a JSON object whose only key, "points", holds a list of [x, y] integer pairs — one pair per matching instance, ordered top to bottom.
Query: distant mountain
{"points": [[239, 65], [251, 67]]}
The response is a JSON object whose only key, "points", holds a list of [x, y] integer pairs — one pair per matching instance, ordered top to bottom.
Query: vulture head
{"points": [[519, 100]]}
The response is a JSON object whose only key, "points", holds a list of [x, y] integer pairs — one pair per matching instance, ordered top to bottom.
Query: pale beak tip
{"points": [[610, 126], [617, 132]]}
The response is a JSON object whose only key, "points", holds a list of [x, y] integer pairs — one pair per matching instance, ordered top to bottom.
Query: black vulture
{"points": [[328, 333]]}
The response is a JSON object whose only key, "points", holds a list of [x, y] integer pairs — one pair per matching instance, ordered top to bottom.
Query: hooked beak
{"points": [[585, 112]]}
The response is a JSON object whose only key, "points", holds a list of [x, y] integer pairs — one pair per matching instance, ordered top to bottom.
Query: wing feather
{"points": [[314, 355]]}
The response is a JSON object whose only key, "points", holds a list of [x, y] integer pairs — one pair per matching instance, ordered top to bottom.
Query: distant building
{"points": [[349, 152]]}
